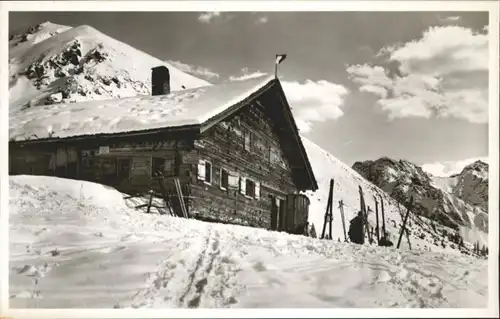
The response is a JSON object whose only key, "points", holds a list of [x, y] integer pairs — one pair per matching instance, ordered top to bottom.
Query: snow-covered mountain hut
{"points": [[234, 148]]}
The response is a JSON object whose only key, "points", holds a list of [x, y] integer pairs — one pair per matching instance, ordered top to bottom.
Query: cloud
{"points": [[207, 17], [450, 18], [262, 20], [195, 70], [444, 73], [246, 75], [371, 79], [311, 101], [314, 101], [348, 142], [448, 168]]}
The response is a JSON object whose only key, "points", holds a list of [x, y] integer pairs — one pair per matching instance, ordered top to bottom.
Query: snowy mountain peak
{"points": [[35, 34], [62, 64], [479, 168], [384, 172], [471, 185]]}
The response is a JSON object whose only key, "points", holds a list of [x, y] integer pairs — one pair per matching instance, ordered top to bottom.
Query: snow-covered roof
{"points": [[179, 108]]}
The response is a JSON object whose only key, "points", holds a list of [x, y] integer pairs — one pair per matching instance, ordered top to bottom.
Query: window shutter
{"points": [[201, 170], [233, 181], [243, 186], [257, 190]]}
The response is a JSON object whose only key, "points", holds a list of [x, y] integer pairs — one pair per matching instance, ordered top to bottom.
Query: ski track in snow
{"points": [[76, 244], [185, 280]]}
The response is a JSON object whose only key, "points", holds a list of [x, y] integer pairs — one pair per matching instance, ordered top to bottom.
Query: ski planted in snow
{"points": [[180, 197], [341, 209], [328, 213], [364, 213], [383, 215], [376, 216], [404, 222], [406, 229]]}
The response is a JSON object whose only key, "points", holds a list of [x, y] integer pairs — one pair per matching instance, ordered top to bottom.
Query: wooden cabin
{"points": [[234, 148]]}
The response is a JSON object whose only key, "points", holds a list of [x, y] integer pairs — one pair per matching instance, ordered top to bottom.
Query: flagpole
{"points": [[279, 59]]}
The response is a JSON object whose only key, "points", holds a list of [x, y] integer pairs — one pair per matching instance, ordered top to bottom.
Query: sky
{"points": [[362, 85]]}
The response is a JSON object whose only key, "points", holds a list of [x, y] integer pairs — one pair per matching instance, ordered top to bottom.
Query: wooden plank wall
{"points": [[224, 146], [44, 159]]}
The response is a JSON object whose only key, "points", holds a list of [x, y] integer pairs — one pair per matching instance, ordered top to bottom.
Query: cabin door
{"points": [[274, 212], [281, 213]]}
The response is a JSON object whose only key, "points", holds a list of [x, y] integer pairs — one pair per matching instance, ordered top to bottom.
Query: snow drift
{"points": [[78, 244]]}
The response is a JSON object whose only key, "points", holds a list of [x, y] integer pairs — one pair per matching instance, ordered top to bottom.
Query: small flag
{"points": [[280, 58]]}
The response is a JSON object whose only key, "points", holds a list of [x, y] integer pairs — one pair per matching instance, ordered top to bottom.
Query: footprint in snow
{"points": [[40, 231], [108, 250], [259, 266], [34, 271], [382, 277]]}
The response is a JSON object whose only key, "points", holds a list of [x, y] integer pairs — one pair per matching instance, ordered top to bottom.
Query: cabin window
{"points": [[247, 141], [273, 155], [157, 166], [205, 171], [208, 172], [224, 179], [249, 188]]}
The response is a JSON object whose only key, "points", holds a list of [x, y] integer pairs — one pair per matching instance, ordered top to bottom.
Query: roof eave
{"points": [[191, 127], [305, 158]]}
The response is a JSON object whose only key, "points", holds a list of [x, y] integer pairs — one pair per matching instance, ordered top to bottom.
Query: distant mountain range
{"points": [[455, 201]]}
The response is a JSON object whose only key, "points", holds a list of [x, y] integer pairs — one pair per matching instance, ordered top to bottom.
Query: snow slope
{"points": [[63, 64], [424, 234], [78, 244]]}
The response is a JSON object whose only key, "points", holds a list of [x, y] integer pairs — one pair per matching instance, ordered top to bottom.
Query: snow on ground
{"points": [[446, 184], [78, 244]]}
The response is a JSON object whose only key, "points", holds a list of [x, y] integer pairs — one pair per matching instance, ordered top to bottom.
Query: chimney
{"points": [[160, 80]]}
